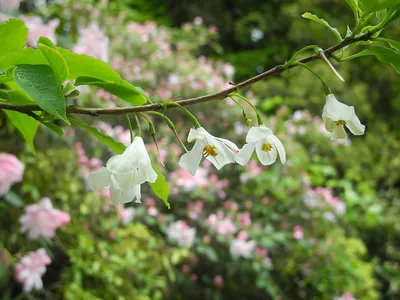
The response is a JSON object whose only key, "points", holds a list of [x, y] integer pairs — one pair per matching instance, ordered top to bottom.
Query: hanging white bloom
{"points": [[336, 115], [267, 146], [218, 151], [125, 173]]}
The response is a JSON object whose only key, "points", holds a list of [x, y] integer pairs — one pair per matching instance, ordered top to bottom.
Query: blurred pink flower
{"points": [[198, 20], [37, 29], [92, 41], [11, 171], [185, 180], [152, 211], [126, 215], [244, 219], [41, 220], [298, 232], [181, 233], [243, 236], [206, 239], [242, 248], [31, 268], [219, 281], [345, 296]]}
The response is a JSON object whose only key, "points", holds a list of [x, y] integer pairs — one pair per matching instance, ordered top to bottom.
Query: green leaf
{"points": [[369, 6], [354, 7], [312, 17], [13, 36], [46, 41], [393, 44], [384, 54], [27, 56], [56, 62], [99, 72], [40, 83], [120, 91], [25, 124], [57, 129], [117, 147], [160, 187], [13, 199]]}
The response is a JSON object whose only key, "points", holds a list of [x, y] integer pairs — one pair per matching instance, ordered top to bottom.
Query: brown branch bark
{"points": [[190, 101]]}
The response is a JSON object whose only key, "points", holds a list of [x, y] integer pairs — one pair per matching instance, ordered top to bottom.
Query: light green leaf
{"points": [[369, 6], [354, 7], [312, 17], [13, 36], [46, 41], [393, 44], [384, 54], [27, 56], [56, 62], [99, 72], [40, 83], [118, 90], [117, 147], [161, 188], [14, 199]]}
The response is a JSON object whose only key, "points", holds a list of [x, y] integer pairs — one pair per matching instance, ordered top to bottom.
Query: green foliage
{"points": [[370, 6], [324, 23], [13, 35], [56, 62], [40, 83], [160, 188]]}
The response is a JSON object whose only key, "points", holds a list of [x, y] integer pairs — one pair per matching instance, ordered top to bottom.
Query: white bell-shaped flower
{"points": [[336, 115], [267, 146], [218, 151], [125, 173]]}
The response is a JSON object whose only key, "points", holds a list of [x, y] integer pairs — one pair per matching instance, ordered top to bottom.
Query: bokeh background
{"points": [[323, 226]]}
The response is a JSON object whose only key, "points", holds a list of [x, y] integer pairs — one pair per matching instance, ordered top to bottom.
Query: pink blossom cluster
{"points": [[37, 29], [93, 42], [119, 133], [86, 165], [252, 170], [11, 171], [183, 180], [327, 194], [151, 204], [194, 209], [126, 215], [244, 219], [41, 220], [220, 224], [298, 232], [181, 233], [241, 246], [263, 254], [31, 268], [345, 296]]}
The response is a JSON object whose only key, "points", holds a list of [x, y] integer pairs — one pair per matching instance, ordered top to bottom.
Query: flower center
{"points": [[340, 122], [266, 147], [210, 150]]}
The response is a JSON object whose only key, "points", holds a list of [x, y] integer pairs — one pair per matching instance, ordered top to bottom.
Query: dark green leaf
{"points": [[369, 6], [312, 17], [393, 44], [40, 83], [117, 147]]}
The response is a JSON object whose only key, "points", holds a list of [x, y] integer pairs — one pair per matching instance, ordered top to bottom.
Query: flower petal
{"points": [[336, 110], [329, 124], [355, 126], [257, 133], [338, 133], [197, 134], [230, 144], [281, 150], [225, 155], [243, 156], [266, 157], [190, 161], [122, 163], [147, 171], [99, 179], [136, 192], [115, 196]]}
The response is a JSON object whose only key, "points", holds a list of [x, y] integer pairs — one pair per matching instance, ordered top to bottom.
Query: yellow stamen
{"points": [[340, 122], [266, 147], [210, 150]]}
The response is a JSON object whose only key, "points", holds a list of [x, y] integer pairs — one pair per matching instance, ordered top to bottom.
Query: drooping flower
{"points": [[336, 115], [267, 146], [217, 150], [11, 171], [125, 173], [41, 220], [181, 233], [240, 247], [31, 268]]}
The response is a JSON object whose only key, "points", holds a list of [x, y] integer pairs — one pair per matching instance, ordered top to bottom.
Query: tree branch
{"points": [[190, 101]]}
